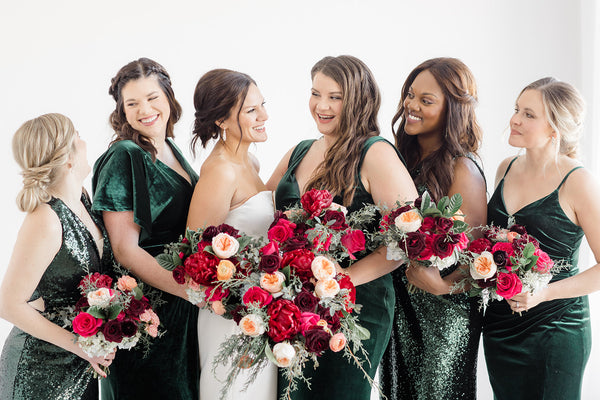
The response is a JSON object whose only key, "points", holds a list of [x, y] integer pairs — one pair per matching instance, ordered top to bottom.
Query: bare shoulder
{"points": [[381, 154], [216, 168], [466, 169], [501, 170], [43, 225]]}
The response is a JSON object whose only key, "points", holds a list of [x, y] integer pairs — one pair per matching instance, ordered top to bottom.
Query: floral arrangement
{"points": [[427, 233], [506, 262], [108, 316]]}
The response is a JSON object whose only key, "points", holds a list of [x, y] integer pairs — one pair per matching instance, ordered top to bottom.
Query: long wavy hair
{"points": [[142, 68], [358, 122], [461, 134]]}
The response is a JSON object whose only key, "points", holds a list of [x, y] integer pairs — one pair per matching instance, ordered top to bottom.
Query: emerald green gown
{"points": [[126, 179], [542, 353], [31, 368], [336, 377]]}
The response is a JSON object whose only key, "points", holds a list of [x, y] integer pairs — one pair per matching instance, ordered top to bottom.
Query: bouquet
{"points": [[426, 233], [506, 262], [294, 304], [109, 316]]}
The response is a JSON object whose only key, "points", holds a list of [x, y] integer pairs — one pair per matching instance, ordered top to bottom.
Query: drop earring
{"points": [[224, 134], [553, 140]]}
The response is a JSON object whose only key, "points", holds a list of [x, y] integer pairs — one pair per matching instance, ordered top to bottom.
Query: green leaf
{"points": [[426, 201], [443, 203], [455, 203], [432, 212], [460, 226], [244, 241], [528, 250], [165, 260], [532, 262], [286, 271], [137, 293], [113, 311], [96, 312], [361, 332], [269, 353]]}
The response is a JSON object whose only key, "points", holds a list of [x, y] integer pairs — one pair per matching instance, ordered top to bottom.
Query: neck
{"points": [[329, 140], [429, 144], [234, 150], [539, 159], [68, 189]]}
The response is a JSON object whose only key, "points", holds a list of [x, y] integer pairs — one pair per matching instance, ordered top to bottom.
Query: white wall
{"points": [[59, 56]]}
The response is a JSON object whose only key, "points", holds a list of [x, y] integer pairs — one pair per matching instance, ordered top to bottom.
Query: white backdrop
{"points": [[59, 56]]}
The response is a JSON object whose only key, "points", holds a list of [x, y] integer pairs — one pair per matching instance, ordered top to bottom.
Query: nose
{"points": [[410, 104], [322, 105], [145, 108], [262, 114], [515, 119]]}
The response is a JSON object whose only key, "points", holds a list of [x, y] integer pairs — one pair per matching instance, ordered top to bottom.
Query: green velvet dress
{"points": [[126, 179], [432, 352], [542, 353], [31, 368], [336, 377]]}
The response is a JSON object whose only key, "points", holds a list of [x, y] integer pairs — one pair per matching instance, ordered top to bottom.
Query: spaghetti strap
{"points": [[509, 165], [567, 175]]}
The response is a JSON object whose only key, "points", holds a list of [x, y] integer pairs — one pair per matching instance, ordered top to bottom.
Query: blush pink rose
{"points": [[544, 263]]}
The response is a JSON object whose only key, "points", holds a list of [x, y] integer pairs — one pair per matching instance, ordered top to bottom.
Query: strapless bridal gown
{"points": [[253, 218]]}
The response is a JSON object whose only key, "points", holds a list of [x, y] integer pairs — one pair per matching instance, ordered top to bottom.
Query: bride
{"points": [[229, 108]]}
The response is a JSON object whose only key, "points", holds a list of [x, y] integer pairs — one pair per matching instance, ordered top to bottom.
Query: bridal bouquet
{"points": [[427, 233], [506, 262], [295, 305], [108, 316]]}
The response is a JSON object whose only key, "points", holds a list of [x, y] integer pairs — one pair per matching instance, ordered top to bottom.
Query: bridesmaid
{"points": [[230, 108], [358, 166], [143, 186], [59, 242], [537, 344], [433, 348]]}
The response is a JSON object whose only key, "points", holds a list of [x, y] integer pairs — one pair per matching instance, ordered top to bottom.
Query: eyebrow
{"points": [[423, 94], [148, 95]]}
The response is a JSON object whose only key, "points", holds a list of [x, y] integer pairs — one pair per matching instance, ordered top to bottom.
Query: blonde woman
{"points": [[59, 242]]}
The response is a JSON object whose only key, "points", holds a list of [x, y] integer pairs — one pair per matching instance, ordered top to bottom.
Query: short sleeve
{"points": [[120, 183]]}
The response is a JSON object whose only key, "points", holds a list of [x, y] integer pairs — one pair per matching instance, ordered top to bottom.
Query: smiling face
{"points": [[325, 103], [146, 107], [425, 107], [251, 118], [529, 127]]}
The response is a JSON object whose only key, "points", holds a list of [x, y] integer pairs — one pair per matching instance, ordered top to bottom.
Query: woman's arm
{"points": [[279, 170], [388, 181], [582, 192], [124, 234], [29, 261]]}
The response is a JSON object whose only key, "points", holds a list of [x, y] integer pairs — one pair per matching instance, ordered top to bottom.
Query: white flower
{"points": [[408, 221], [224, 245], [395, 253], [443, 263], [483, 267], [195, 296], [100, 297], [252, 325], [129, 342], [96, 346], [284, 354]]}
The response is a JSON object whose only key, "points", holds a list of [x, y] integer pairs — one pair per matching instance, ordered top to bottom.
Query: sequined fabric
{"points": [[31, 368]]}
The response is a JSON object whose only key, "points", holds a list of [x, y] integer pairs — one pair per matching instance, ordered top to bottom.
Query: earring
{"points": [[224, 134], [553, 140]]}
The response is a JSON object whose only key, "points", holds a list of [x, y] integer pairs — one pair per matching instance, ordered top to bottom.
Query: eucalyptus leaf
{"points": [[443, 203], [165, 260], [137, 293], [269, 353]]}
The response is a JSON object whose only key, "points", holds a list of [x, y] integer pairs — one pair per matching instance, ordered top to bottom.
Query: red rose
{"points": [[315, 201], [335, 220], [428, 224], [443, 225], [281, 231], [209, 233], [298, 241], [353, 241], [415, 243], [480, 245], [504, 246], [442, 247], [270, 248], [299, 261], [269, 262], [202, 268], [179, 274], [96, 280], [346, 283], [508, 285], [215, 293], [258, 296], [306, 300], [81, 304], [136, 307], [284, 320], [85, 324], [112, 331], [317, 340]]}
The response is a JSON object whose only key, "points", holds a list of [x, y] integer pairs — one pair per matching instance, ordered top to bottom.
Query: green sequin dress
{"points": [[126, 179], [432, 352], [542, 353], [31, 368], [336, 377]]}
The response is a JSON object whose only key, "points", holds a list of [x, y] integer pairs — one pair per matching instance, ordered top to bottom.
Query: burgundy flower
{"points": [[315, 201], [337, 220], [428, 224], [443, 225], [228, 229], [520, 229], [209, 233], [299, 241], [415, 243], [480, 245], [442, 247], [501, 258], [179, 274], [306, 301], [81, 304], [136, 308], [238, 313], [284, 320], [333, 321], [128, 328], [112, 331], [317, 340]]}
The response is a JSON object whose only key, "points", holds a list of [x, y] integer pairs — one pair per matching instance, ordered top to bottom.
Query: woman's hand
{"points": [[427, 278], [525, 301], [100, 364]]}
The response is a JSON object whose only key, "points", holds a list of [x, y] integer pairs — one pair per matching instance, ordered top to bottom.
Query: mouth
{"points": [[325, 118], [413, 118], [149, 120], [260, 129], [515, 132]]}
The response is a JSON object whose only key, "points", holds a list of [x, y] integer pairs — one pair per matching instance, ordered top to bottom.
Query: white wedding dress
{"points": [[253, 218]]}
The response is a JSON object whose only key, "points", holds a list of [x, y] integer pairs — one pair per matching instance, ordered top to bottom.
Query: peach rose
{"points": [[338, 207], [459, 216], [408, 221], [511, 236], [224, 245], [483, 266], [322, 268], [225, 270], [126, 283], [272, 283], [327, 288], [100, 297], [218, 307], [149, 316], [252, 325], [152, 330], [337, 342], [284, 354]]}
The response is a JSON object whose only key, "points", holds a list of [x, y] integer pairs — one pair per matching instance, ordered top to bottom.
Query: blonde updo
{"points": [[565, 111], [41, 146]]}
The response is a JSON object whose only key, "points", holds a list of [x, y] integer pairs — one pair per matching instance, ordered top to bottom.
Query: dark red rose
{"points": [[315, 201], [417, 203], [395, 213], [335, 220], [428, 225], [443, 225], [228, 229], [520, 229], [281, 231], [209, 233], [298, 241], [353, 241], [415, 243], [520, 243], [480, 245], [442, 246], [270, 248], [501, 258], [299, 261], [269, 262], [202, 268], [179, 274], [95, 280], [346, 283], [485, 283], [308, 285], [215, 293], [258, 296], [306, 301], [81, 304], [136, 308], [238, 313], [284, 320], [333, 321], [128, 328], [112, 331], [317, 340]]}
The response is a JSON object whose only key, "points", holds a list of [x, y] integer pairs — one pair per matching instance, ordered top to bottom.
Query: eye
{"points": [[314, 94], [410, 95], [153, 98], [335, 98], [427, 102], [130, 104], [251, 110], [516, 110], [529, 115]]}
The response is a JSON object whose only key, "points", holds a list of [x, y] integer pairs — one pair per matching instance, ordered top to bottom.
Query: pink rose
{"points": [[281, 231], [353, 241], [270, 248], [544, 263], [126, 283], [508, 285], [216, 293], [258, 296], [218, 307], [308, 319], [85, 324], [337, 342]]}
